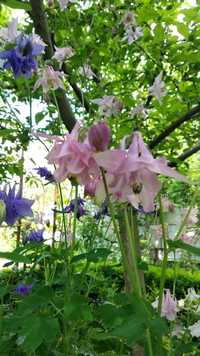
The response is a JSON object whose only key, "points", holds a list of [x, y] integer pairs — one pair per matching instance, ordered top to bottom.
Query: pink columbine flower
{"points": [[64, 3], [128, 19], [10, 33], [132, 35], [62, 53], [86, 71], [50, 79], [158, 88], [108, 105], [139, 110], [99, 136], [73, 158], [133, 173], [188, 239], [169, 306]]}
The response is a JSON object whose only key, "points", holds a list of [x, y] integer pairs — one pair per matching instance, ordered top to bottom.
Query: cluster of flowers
{"points": [[131, 174], [170, 307]]}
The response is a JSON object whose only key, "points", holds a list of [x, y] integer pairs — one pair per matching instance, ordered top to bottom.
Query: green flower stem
{"points": [[63, 213], [75, 217], [133, 239], [136, 239], [132, 246], [165, 256], [126, 266]]}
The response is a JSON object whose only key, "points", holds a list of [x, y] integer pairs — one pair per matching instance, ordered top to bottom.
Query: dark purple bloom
{"points": [[21, 58], [44, 173], [16, 206], [80, 207], [35, 236], [23, 289]]}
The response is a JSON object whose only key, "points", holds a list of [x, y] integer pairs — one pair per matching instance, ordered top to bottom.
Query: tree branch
{"points": [[41, 27], [194, 112], [189, 152]]}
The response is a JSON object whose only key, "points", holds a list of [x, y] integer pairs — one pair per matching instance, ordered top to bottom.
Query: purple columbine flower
{"points": [[22, 58], [45, 173], [16, 206], [80, 207], [36, 236], [23, 289]]}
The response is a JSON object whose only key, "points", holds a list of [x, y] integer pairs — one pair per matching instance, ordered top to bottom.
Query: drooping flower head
{"points": [[64, 3], [128, 19], [10, 33], [132, 35], [62, 53], [22, 58], [87, 71], [49, 79], [157, 89], [108, 105], [139, 110], [99, 136], [73, 158], [43, 172], [132, 174], [16, 206], [80, 207], [36, 236], [23, 289], [169, 306], [195, 329]]}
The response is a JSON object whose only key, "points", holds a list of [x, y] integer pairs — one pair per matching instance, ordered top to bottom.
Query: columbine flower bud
{"points": [[99, 136]]}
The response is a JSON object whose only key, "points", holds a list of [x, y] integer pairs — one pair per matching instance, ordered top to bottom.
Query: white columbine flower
{"points": [[64, 3], [10, 33], [62, 53], [86, 71], [50, 79], [158, 88], [108, 105], [139, 110], [192, 295], [195, 329]]}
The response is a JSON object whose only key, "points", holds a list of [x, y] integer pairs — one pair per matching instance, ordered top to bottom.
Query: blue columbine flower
{"points": [[21, 58], [45, 173], [16, 206], [80, 209], [36, 236], [23, 289]]}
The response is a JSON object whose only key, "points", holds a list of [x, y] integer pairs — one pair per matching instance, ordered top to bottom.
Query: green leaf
{"points": [[15, 4], [182, 29], [39, 117], [183, 246], [93, 256], [15, 257], [77, 309], [133, 330]]}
